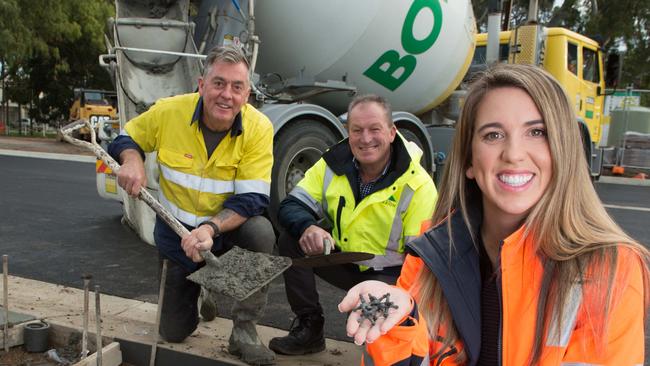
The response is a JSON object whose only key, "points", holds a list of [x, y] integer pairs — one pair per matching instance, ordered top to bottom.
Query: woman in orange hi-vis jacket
{"points": [[524, 265]]}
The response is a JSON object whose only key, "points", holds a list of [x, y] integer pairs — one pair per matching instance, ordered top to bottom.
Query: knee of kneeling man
{"points": [[258, 232]]}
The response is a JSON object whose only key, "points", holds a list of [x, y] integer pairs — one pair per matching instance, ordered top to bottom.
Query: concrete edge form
{"points": [[132, 322]]}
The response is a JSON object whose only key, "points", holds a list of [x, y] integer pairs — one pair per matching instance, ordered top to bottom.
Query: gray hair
{"points": [[228, 54], [373, 98]]}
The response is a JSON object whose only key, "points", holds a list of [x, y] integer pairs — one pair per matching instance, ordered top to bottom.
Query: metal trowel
{"points": [[330, 259], [238, 273]]}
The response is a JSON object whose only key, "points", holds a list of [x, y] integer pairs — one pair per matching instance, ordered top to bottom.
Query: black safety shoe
{"points": [[305, 336]]}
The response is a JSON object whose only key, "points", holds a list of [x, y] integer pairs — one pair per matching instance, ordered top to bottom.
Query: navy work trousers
{"points": [[180, 313]]}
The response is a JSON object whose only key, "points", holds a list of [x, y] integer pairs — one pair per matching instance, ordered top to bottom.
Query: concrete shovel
{"points": [[238, 273]]}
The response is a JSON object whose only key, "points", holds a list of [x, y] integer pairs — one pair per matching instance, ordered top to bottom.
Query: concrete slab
{"points": [[14, 317], [133, 320]]}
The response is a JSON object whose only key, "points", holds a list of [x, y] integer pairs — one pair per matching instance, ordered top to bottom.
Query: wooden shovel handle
{"points": [[144, 195]]}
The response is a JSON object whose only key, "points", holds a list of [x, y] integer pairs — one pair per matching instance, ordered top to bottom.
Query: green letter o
{"points": [[412, 45]]}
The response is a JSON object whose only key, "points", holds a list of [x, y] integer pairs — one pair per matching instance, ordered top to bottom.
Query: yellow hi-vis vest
{"points": [[193, 187], [383, 221]]}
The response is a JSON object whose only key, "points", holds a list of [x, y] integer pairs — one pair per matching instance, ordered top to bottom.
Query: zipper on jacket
{"points": [[338, 215], [500, 293]]}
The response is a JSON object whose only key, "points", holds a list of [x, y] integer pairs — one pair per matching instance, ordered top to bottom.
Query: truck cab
{"points": [[576, 61]]}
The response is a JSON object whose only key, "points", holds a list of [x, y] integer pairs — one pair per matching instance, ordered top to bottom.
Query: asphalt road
{"points": [[55, 227]]}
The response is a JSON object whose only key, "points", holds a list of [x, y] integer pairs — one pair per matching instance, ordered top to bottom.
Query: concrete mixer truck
{"points": [[308, 59]]}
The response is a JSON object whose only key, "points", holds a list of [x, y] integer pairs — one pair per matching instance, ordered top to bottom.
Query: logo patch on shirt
{"points": [[189, 156], [391, 201]]}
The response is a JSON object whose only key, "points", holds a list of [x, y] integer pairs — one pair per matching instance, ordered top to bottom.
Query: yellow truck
{"points": [[574, 60], [95, 106]]}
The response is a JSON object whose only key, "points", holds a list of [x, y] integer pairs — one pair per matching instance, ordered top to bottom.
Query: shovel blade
{"points": [[240, 272]]}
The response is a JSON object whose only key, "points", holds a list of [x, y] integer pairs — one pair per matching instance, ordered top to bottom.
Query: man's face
{"points": [[224, 90], [370, 134]]}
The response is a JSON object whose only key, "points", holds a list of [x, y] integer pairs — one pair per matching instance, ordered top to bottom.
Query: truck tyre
{"points": [[409, 135], [297, 146], [587, 146]]}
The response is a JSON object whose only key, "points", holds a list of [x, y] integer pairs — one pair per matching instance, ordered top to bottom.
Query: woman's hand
{"points": [[365, 331]]}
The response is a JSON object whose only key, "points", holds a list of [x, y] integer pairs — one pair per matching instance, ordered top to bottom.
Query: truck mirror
{"points": [[613, 68]]}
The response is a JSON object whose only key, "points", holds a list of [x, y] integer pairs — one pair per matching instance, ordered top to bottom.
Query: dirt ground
{"points": [[49, 145], [17, 356]]}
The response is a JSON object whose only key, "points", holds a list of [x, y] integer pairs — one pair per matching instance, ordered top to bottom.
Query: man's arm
{"points": [[132, 176], [301, 211], [294, 216], [301, 222]]}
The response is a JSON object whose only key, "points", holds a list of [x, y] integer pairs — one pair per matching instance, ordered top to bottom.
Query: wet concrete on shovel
{"points": [[240, 272]]}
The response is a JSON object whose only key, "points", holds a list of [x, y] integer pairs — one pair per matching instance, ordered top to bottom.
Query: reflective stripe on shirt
{"points": [[327, 180], [197, 183], [213, 185], [252, 186], [304, 197], [182, 215]]}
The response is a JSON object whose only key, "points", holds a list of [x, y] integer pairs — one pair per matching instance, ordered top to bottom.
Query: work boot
{"points": [[208, 309], [304, 337], [244, 341]]}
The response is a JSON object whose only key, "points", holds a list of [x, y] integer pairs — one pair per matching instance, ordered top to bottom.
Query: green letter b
{"points": [[387, 78]]}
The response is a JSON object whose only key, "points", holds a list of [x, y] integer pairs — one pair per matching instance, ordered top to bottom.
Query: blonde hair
{"points": [[578, 233]]}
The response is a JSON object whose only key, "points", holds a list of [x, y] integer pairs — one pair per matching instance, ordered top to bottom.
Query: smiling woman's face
{"points": [[511, 160]]}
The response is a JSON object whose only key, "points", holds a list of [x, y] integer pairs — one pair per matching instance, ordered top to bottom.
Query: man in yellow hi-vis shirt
{"points": [[215, 158], [373, 194]]}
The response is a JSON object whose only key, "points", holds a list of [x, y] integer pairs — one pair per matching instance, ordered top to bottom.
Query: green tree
{"points": [[616, 24], [50, 47]]}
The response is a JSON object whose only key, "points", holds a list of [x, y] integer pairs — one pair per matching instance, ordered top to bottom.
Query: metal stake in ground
{"points": [[223, 275], [5, 296], [98, 320], [156, 328], [84, 336]]}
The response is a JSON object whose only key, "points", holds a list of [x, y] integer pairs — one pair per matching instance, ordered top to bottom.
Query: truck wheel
{"points": [[409, 135], [587, 147], [296, 148]]}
